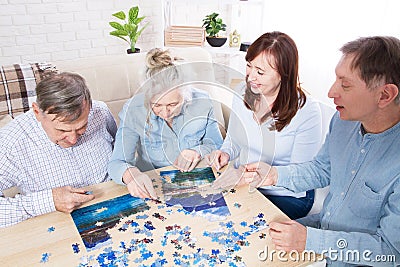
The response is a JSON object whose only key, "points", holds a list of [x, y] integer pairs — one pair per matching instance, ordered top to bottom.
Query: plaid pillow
{"points": [[17, 86]]}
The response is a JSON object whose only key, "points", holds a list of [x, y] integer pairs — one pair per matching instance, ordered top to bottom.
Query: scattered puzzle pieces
{"points": [[237, 205], [158, 216], [75, 248], [45, 257]]}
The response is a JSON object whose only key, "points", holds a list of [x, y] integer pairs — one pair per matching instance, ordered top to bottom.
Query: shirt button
{"points": [[363, 150], [353, 172], [342, 194], [328, 213]]}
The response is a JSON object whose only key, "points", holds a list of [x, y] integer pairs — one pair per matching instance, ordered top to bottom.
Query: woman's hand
{"points": [[217, 159], [187, 160], [260, 174], [230, 178], [139, 184]]}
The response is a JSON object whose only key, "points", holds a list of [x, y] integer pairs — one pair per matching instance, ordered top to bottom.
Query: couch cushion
{"points": [[17, 86]]}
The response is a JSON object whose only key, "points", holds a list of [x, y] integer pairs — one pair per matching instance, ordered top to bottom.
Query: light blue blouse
{"points": [[248, 142], [153, 144], [362, 209]]}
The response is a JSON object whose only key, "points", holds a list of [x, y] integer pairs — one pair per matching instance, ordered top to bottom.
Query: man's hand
{"points": [[217, 159], [187, 160], [260, 174], [230, 178], [139, 184], [66, 198], [288, 236]]}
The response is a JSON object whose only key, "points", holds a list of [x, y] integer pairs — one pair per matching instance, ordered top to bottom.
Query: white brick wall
{"points": [[53, 30]]}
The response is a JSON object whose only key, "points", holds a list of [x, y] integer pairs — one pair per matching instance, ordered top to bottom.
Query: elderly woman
{"points": [[168, 124]]}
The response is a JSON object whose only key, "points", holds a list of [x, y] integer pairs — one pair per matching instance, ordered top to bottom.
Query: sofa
{"points": [[112, 79]]}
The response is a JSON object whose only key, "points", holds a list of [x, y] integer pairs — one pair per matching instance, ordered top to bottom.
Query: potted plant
{"points": [[213, 26], [129, 30]]}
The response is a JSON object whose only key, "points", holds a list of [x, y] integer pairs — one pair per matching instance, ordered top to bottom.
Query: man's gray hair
{"points": [[66, 95]]}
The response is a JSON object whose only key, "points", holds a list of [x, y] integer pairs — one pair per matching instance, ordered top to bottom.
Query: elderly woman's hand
{"points": [[187, 160], [139, 184]]}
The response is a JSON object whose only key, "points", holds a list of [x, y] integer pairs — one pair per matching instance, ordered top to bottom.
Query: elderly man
{"points": [[63, 143], [359, 222]]}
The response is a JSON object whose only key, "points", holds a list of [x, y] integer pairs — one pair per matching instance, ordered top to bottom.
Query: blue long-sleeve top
{"points": [[145, 140], [362, 210]]}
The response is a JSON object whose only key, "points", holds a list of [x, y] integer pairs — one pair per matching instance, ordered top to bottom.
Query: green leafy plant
{"points": [[213, 24], [129, 30]]}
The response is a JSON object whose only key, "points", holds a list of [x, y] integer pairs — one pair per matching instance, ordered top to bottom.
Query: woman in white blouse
{"points": [[272, 120]]}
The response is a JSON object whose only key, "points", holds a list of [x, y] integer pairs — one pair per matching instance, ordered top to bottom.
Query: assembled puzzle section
{"points": [[192, 191]]}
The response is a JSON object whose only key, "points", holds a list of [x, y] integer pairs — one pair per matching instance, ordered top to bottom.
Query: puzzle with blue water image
{"points": [[186, 189], [93, 221]]}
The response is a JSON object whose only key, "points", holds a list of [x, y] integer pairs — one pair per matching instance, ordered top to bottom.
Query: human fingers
{"points": [[196, 157], [208, 159], [214, 159], [223, 159], [180, 162], [193, 164], [186, 165], [252, 167], [250, 176], [229, 178], [220, 182], [134, 189], [150, 189], [78, 190], [63, 198], [81, 198], [281, 226], [275, 234], [280, 247]]}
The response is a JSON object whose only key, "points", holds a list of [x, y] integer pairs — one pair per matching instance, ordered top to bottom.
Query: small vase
{"points": [[216, 41], [129, 51]]}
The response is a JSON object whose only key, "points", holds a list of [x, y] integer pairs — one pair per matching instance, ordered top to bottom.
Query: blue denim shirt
{"points": [[146, 141], [363, 204]]}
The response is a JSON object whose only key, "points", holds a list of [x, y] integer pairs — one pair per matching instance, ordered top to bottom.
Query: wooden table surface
{"points": [[26, 243]]}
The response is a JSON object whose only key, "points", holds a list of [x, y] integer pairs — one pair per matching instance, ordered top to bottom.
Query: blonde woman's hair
{"points": [[157, 60], [163, 76]]}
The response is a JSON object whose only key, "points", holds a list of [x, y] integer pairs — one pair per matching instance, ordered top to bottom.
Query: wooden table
{"points": [[26, 243]]}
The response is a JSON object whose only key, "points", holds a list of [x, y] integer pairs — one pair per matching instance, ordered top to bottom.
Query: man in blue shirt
{"points": [[359, 161]]}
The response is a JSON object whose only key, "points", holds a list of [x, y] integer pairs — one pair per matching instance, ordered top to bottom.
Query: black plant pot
{"points": [[216, 41], [129, 51]]}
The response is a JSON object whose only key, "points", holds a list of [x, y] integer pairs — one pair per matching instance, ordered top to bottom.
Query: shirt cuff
{"points": [[118, 172], [283, 175], [42, 202], [315, 240]]}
